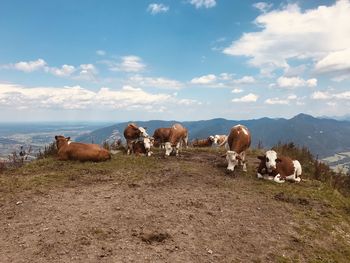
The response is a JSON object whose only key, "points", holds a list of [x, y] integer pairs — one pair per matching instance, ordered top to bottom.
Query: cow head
{"points": [[143, 132], [211, 138], [216, 139], [61, 140], [147, 142], [168, 148], [232, 159], [271, 160]]}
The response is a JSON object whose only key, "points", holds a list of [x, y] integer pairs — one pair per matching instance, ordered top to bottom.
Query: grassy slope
{"points": [[322, 213]]}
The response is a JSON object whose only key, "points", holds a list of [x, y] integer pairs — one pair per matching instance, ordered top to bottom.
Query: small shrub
{"points": [[48, 151]]}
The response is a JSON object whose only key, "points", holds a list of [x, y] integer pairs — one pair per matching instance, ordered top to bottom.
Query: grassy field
{"points": [[175, 209]]}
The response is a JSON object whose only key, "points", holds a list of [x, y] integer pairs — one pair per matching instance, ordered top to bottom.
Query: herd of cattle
{"points": [[271, 167]]}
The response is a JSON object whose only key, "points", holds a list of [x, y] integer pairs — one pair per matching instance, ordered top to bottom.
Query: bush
{"points": [[48, 151]]}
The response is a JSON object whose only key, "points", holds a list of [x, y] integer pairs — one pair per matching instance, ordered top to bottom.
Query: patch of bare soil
{"points": [[189, 211]]}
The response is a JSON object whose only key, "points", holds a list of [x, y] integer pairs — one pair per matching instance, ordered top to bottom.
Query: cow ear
{"points": [[56, 137], [67, 138], [261, 157], [238, 158], [278, 160]]}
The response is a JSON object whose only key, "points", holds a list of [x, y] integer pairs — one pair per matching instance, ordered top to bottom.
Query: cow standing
{"points": [[132, 133], [161, 136], [178, 136], [208, 142], [237, 142], [68, 150], [279, 168]]}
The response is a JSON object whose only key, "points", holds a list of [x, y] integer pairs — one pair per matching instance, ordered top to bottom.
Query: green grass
{"points": [[50, 172]]}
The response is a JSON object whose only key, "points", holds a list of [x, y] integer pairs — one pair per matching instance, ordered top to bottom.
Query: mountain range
{"points": [[323, 136]]}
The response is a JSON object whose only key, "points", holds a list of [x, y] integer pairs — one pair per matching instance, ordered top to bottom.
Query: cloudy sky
{"points": [[185, 60]]}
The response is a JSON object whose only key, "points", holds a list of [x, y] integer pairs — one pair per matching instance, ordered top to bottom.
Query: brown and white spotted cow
{"points": [[132, 133], [161, 136], [178, 136], [219, 139], [208, 142], [237, 142], [143, 147], [68, 150], [278, 168]]}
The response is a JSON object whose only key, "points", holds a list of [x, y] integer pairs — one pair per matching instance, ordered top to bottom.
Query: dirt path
{"points": [[189, 211]]}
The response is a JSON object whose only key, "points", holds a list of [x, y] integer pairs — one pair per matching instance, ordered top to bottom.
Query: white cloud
{"points": [[203, 3], [263, 6], [157, 8], [289, 33], [101, 52], [337, 62], [127, 64], [27, 66], [64, 71], [87, 72], [206, 79], [223, 80], [245, 80], [159, 82], [295, 82], [237, 90], [320, 95], [326, 95], [292, 97], [78, 98], [247, 98], [273, 101]]}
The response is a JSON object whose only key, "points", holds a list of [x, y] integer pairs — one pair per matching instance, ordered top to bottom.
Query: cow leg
{"points": [[185, 140], [129, 145], [177, 148], [243, 162], [259, 176], [278, 179]]}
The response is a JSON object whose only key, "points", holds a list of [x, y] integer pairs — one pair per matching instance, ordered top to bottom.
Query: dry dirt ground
{"points": [[185, 209]]}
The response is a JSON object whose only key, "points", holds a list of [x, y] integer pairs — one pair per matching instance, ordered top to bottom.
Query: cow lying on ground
{"points": [[132, 133], [161, 136], [178, 136], [219, 139], [208, 142], [237, 142], [143, 146], [68, 150], [278, 168]]}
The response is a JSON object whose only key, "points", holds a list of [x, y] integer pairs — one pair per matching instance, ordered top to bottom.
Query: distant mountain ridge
{"points": [[322, 136]]}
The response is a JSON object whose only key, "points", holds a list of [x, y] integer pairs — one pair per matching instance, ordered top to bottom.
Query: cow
{"points": [[132, 133], [161, 136], [178, 136], [219, 139], [208, 142], [237, 142], [143, 146], [68, 150], [279, 168]]}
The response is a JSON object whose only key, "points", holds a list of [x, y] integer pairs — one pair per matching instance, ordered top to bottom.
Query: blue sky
{"points": [[185, 60]]}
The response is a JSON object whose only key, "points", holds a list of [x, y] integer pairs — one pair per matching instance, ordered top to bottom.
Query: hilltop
{"points": [[324, 137], [185, 209]]}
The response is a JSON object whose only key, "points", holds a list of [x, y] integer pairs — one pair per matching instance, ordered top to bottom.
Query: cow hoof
{"points": [[259, 176], [298, 180]]}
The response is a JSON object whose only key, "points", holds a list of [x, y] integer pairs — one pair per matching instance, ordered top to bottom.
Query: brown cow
{"points": [[132, 133], [178, 135], [161, 136], [219, 139], [204, 142], [237, 142], [143, 147], [68, 150], [279, 168]]}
